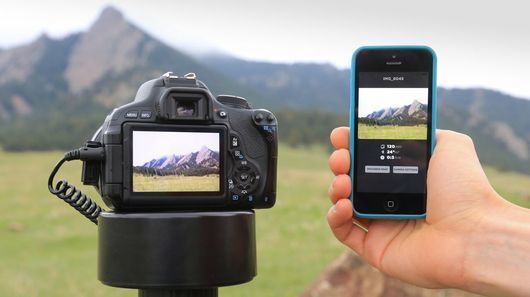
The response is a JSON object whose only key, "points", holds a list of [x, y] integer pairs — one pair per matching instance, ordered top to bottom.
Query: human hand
{"points": [[435, 252]]}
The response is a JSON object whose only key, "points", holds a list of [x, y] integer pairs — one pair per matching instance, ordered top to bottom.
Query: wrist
{"points": [[497, 256]]}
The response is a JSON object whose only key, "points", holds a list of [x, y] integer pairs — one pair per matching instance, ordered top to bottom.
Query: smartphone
{"points": [[392, 130]]}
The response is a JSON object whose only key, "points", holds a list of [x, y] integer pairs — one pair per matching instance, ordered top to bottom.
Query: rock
{"points": [[350, 276]]}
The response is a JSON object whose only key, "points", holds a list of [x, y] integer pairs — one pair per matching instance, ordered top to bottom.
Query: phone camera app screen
{"points": [[392, 132]]}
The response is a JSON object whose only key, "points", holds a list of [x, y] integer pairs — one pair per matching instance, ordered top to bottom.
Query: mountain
{"points": [[105, 64], [299, 85], [52, 89], [54, 93], [415, 110], [498, 123], [204, 158]]}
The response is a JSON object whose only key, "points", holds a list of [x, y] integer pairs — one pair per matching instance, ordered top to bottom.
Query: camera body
{"points": [[176, 146]]}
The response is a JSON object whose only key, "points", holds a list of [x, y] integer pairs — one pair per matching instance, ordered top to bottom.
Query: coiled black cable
{"points": [[70, 194]]}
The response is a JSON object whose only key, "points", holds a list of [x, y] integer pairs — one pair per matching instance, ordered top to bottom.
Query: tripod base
{"points": [[176, 253], [178, 293]]}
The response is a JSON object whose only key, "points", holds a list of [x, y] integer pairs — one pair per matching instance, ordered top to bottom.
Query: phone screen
{"points": [[392, 132]]}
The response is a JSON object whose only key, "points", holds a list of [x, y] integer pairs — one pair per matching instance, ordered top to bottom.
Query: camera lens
{"points": [[186, 109]]}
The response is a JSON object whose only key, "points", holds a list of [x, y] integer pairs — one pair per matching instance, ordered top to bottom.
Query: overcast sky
{"points": [[479, 43], [375, 99]]}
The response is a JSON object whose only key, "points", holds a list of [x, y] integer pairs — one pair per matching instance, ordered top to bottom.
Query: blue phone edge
{"points": [[352, 122]]}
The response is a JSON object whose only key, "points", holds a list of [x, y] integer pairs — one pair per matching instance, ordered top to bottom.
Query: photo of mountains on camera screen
{"points": [[392, 113], [165, 161]]}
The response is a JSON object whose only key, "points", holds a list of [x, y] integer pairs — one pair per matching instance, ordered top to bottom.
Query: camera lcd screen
{"points": [[168, 161]]}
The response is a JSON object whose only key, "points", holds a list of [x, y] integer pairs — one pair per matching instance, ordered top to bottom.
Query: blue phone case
{"points": [[352, 122]]}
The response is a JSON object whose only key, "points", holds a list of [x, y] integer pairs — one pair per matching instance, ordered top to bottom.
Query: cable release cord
{"points": [[69, 193]]}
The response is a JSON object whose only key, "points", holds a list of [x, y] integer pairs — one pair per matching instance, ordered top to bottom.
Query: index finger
{"points": [[340, 137]]}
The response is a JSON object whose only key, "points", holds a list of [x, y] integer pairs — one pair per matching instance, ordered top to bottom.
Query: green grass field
{"points": [[392, 132], [175, 183], [47, 249]]}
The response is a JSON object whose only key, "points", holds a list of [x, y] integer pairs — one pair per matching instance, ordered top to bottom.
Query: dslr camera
{"points": [[176, 146]]}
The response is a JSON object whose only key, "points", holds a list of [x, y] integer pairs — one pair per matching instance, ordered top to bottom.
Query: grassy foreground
{"points": [[418, 132], [175, 183], [47, 249]]}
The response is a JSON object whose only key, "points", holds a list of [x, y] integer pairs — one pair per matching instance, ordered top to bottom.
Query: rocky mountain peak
{"points": [[108, 16], [43, 38], [111, 45], [18, 63], [415, 107], [415, 110], [204, 150], [204, 154], [205, 160]]}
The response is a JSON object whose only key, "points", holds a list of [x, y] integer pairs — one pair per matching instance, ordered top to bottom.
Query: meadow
{"points": [[418, 132], [175, 183], [47, 249]]}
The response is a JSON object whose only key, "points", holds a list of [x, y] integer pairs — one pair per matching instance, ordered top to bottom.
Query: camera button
{"points": [[222, 114], [131, 115], [145, 115], [259, 117], [234, 141], [238, 155], [243, 165], [243, 168], [243, 177], [230, 184], [243, 187], [235, 197], [250, 198]]}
